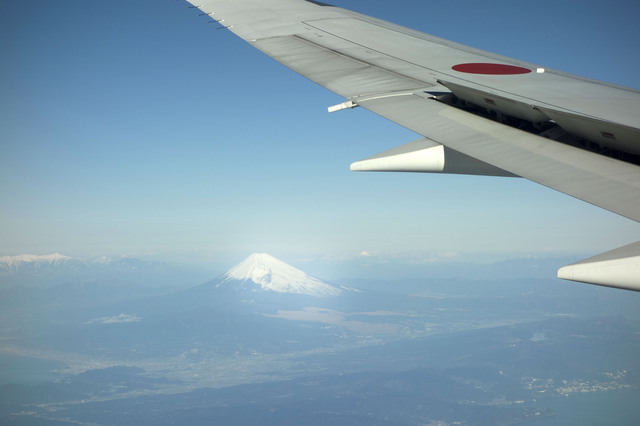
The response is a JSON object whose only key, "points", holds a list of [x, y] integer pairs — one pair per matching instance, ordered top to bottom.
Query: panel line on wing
{"points": [[342, 74]]}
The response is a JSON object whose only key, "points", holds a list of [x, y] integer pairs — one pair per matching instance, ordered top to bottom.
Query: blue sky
{"points": [[136, 128]]}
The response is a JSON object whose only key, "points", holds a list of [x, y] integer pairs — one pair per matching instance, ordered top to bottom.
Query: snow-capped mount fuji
{"points": [[261, 271]]}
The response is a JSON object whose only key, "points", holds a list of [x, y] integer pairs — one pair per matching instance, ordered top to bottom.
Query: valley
{"points": [[388, 352]]}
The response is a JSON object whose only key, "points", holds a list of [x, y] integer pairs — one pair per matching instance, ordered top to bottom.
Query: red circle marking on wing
{"points": [[490, 69]]}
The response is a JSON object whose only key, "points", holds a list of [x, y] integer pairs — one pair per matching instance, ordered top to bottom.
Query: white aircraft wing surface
{"points": [[479, 113]]}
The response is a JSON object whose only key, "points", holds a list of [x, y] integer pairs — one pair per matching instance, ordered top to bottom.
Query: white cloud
{"points": [[118, 319]]}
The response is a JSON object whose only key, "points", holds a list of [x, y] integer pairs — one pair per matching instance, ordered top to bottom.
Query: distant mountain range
{"points": [[32, 259], [55, 269], [266, 335]]}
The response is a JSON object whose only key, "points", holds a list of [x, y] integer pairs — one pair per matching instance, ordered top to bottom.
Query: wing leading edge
{"points": [[479, 113]]}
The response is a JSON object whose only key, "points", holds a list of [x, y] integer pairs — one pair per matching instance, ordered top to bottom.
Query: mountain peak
{"points": [[272, 274]]}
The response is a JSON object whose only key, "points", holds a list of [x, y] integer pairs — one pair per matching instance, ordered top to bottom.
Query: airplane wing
{"points": [[478, 112]]}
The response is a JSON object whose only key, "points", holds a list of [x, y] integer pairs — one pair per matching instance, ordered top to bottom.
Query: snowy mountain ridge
{"points": [[32, 258], [54, 269], [272, 274]]}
